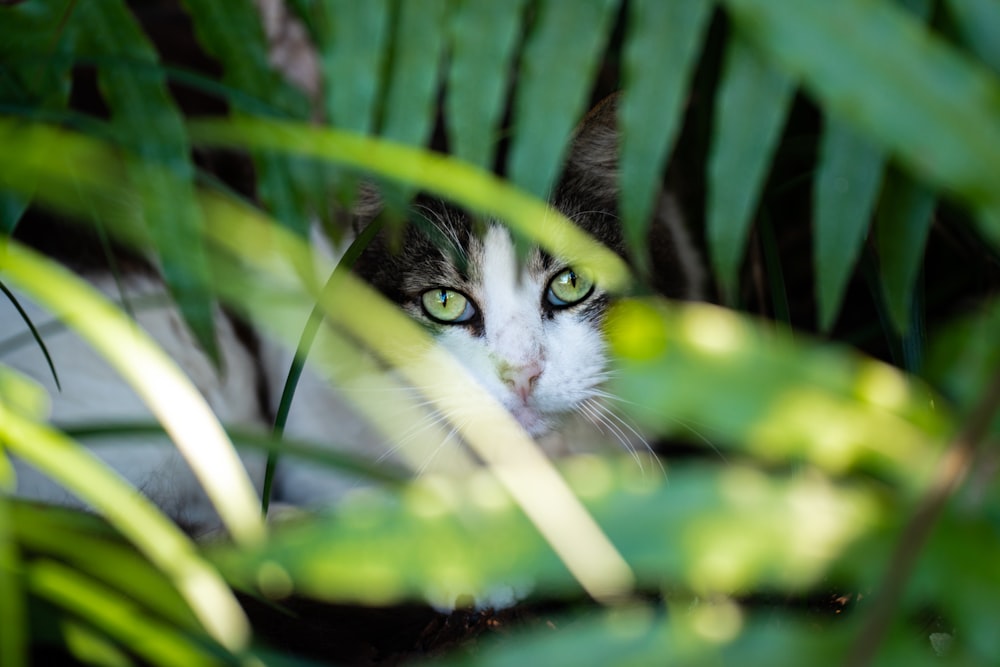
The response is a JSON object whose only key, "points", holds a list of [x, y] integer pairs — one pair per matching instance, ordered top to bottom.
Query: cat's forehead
{"points": [[459, 249]]}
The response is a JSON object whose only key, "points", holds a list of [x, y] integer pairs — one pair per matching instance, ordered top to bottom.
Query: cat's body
{"points": [[528, 329]]}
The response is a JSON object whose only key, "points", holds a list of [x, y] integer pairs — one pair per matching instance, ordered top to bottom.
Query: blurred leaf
{"points": [[978, 22], [231, 32], [483, 36], [352, 38], [418, 47], [36, 53], [887, 61], [557, 71], [652, 105], [750, 110], [148, 123], [434, 173], [850, 175], [12, 208], [902, 222], [964, 357], [154, 377], [759, 390], [137, 518], [442, 539], [91, 547], [116, 615], [14, 638]]}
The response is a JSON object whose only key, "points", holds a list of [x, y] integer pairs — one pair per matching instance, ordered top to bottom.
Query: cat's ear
{"points": [[590, 182], [367, 204]]}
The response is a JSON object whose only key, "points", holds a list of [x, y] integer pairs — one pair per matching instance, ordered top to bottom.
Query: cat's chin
{"points": [[532, 421]]}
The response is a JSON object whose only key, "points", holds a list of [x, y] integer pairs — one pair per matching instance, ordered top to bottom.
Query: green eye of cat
{"points": [[568, 288], [447, 306]]}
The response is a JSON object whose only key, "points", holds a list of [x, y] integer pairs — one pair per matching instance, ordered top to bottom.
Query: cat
{"points": [[529, 330]]}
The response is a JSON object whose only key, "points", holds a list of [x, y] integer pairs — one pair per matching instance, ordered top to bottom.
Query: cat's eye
{"points": [[569, 287], [447, 306]]}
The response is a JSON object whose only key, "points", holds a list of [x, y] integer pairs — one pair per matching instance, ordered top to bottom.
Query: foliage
{"points": [[828, 470]]}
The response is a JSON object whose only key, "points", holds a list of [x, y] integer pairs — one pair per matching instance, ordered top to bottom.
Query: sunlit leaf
{"points": [[483, 35], [886, 60], [557, 71], [652, 104], [750, 110], [149, 124], [434, 173], [850, 175], [902, 223], [740, 384], [162, 386], [442, 539], [14, 638], [156, 642]]}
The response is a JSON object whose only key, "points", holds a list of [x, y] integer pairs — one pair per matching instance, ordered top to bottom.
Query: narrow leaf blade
{"points": [[483, 36], [550, 100], [653, 102], [750, 110], [850, 174], [902, 224]]}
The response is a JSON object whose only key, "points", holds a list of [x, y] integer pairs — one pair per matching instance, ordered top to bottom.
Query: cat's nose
{"points": [[521, 378]]}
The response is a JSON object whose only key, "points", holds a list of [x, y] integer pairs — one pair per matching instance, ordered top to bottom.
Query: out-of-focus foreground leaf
{"points": [[148, 124]]}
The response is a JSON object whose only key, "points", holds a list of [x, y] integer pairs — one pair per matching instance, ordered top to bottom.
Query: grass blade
{"points": [[978, 22], [557, 70], [750, 110]]}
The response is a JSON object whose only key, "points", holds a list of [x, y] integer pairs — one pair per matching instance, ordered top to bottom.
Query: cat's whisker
{"points": [[589, 410], [613, 416]]}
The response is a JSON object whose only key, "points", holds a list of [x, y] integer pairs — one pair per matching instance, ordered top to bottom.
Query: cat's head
{"points": [[529, 329]]}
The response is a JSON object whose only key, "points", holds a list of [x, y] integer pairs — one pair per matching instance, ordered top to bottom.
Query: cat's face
{"points": [[529, 331]]}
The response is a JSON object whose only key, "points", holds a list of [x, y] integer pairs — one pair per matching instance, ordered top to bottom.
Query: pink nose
{"points": [[521, 379]]}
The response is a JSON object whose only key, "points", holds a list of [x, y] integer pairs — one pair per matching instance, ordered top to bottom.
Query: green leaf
{"points": [[978, 22], [231, 32], [483, 36], [352, 37], [418, 47], [888, 61], [550, 100], [652, 105], [750, 110], [150, 126], [850, 175], [12, 208], [902, 224], [964, 358], [156, 379], [740, 384], [443, 538], [117, 616], [13, 639]]}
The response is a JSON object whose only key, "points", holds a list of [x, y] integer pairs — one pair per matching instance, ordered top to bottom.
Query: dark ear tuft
{"points": [[592, 165], [590, 183]]}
